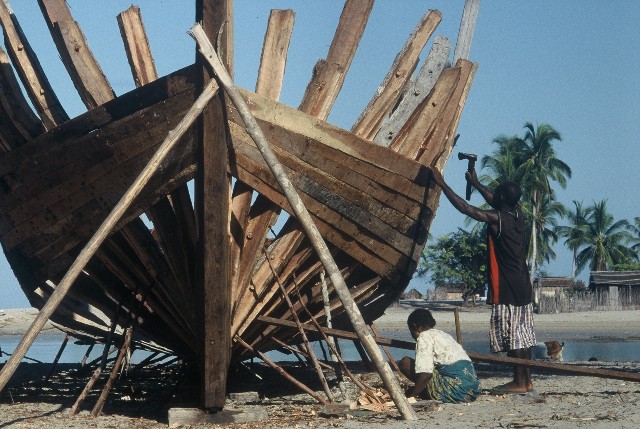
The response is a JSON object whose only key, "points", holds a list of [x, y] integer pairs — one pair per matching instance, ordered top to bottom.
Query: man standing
{"points": [[510, 290]]}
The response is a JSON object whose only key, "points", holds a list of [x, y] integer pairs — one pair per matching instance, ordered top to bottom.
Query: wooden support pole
{"points": [[212, 189], [301, 213], [103, 231], [456, 315], [334, 351], [312, 355], [57, 358], [392, 361], [282, 372], [85, 392], [97, 409]]}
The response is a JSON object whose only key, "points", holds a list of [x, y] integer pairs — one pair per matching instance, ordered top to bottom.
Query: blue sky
{"points": [[572, 64]]}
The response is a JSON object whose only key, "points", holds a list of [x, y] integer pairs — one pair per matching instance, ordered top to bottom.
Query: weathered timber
{"points": [[467, 28], [136, 46], [84, 70], [30, 71], [329, 74], [390, 90], [416, 90], [318, 99], [22, 122], [212, 207], [309, 227], [252, 228], [97, 409]]}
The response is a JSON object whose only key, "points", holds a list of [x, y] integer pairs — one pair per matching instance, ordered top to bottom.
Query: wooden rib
{"points": [[465, 33], [136, 46], [84, 70], [30, 71], [329, 74], [390, 90], [416, 90], [15, 105], [446, 124], [414, 133], [170, 220], [252, 230]]}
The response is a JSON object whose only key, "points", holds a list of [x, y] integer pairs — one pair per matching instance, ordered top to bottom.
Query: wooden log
{"points": [[467, 28], [136, 46], [84, 70], [30, 71], [329, 74], [390, 90], [416, 90], [15, 105], [212, 208], [310, 229], [92, 246], [85, 392], [97, 409]]}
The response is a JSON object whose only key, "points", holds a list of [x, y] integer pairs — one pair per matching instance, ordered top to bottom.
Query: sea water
{"points": [[46, 346]]}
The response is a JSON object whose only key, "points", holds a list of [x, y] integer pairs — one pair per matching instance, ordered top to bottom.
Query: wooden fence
{"points": [[621, 298]]}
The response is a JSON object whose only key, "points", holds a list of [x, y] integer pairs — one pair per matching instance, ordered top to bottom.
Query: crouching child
{"points": [[442, 370]]}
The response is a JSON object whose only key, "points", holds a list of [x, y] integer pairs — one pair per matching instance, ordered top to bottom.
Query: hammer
{"points": [[472, 164]]}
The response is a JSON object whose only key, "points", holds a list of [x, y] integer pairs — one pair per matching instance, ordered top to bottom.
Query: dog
{"points": [[554, 349]]}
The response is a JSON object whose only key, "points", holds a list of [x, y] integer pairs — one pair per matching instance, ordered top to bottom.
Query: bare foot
{"points": [[510, 387], [529, 387]]}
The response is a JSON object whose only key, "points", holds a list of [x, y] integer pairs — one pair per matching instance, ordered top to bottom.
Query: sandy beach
{"points": [[558, 401]]}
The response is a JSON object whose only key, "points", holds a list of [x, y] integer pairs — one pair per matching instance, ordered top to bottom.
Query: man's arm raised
{"points": [[488, 216]]}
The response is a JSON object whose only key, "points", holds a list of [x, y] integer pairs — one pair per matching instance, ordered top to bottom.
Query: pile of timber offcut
{"points": [[368, 190]]}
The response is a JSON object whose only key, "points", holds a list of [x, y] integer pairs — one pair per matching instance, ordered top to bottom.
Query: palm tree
{"points": [[504, 162], [538, 166], [544, 225], [634, 228], [575, 232], [604, 241]]}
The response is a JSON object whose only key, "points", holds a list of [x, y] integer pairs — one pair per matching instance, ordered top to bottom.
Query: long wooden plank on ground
{"points": [[30, 71], [269, 84], [390, 90], [416, 90], [15, 105], [212, 204]]}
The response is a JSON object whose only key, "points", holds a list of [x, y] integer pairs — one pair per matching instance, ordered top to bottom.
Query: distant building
{"points": [[551, 287], [622, 287], [447, 292], [412, 294]]}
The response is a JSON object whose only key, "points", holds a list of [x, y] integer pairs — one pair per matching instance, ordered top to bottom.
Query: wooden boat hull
{"points": [[369, 202]]}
